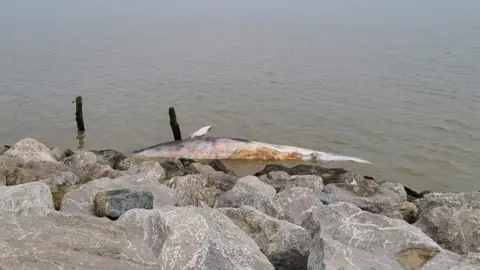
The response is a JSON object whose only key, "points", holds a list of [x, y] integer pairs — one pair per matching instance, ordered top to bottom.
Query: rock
{"points": [[3, 149], [28, 150], [60, 153], [109, 157], [81, 159], [7, 163], [127, 163], [217, 165], [174, 167], [200, 168], [151, 170], [32, 171], [96, 171], [329, 175], [60, 179], [276, 179], [221, 180], [312, 182], [193, 189], [247, 191], [365, 195], [413, 195], [30, 199], [80, 200], [113, 203], [290, 204], [406, 211], [451, 219], [347, 237], [194, 238], [73, 242], [285, 244], [449, 260]]}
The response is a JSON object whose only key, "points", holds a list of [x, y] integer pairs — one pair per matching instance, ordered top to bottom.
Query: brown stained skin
{"points": [[264, 153]]}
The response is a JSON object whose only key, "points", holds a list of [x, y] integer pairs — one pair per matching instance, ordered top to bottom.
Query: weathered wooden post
{"points": [[79, 114], [177, 135]]}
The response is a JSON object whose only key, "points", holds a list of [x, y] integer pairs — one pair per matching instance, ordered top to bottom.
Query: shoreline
{"points": [[281, 217]]}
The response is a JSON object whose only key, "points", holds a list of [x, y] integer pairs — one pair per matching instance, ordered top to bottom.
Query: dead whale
{"points": [[200, 147]]}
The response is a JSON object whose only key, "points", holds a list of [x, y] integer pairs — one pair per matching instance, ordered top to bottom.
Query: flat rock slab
{"points": [[31, 199], [80, 199], [113, 203], [451, 219], [345, 237], [194, 238], [60, 242], [286, 245]]}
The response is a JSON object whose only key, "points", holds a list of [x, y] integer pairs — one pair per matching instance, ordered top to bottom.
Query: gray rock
{"points": [[3, 149], [28, 150], [60, 153], [109, 157], [81, 159], [7, 163], [127, 163], [217, 165], [174, 167], [200, 168], [151, 170], [32, 171], [96, 171], [329, 175], [61, 179], [276, 179], [221, 180], [312, 182], [193, 189], [246, 191], [365, 196], [30, 199], [80, 200], [113, 203], [290, 204], [406, 211], [451, 219], [345, 237], [194, 238], [78, 242], [285, 244], [450, 261]]}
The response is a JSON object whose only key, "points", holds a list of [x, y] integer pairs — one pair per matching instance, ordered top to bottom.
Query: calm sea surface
{"points": [[395, 83]]}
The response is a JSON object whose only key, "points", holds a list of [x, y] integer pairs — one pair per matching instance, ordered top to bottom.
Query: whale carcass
{"points": [[198, 146]]}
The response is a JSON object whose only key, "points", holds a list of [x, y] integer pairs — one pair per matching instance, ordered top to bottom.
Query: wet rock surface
{"points": [[3, 149], [99, 209]]}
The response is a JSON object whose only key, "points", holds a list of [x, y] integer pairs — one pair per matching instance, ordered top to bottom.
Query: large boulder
{"points": [[28, 150], [109, 157], [32, 171], [193, 189], [247, 191], [365, 193], [31, 199], [79, 200], [290, 204], [451, 219], [347, 237], [194, 238], [61, 242], [285, 244], [450, 261]]}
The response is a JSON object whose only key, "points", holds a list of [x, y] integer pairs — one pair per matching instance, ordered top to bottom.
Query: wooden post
{"points": [[79, 114], [177, 135]]}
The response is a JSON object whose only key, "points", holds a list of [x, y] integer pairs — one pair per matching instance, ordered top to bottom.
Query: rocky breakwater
{"points": [[63, 209]]}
